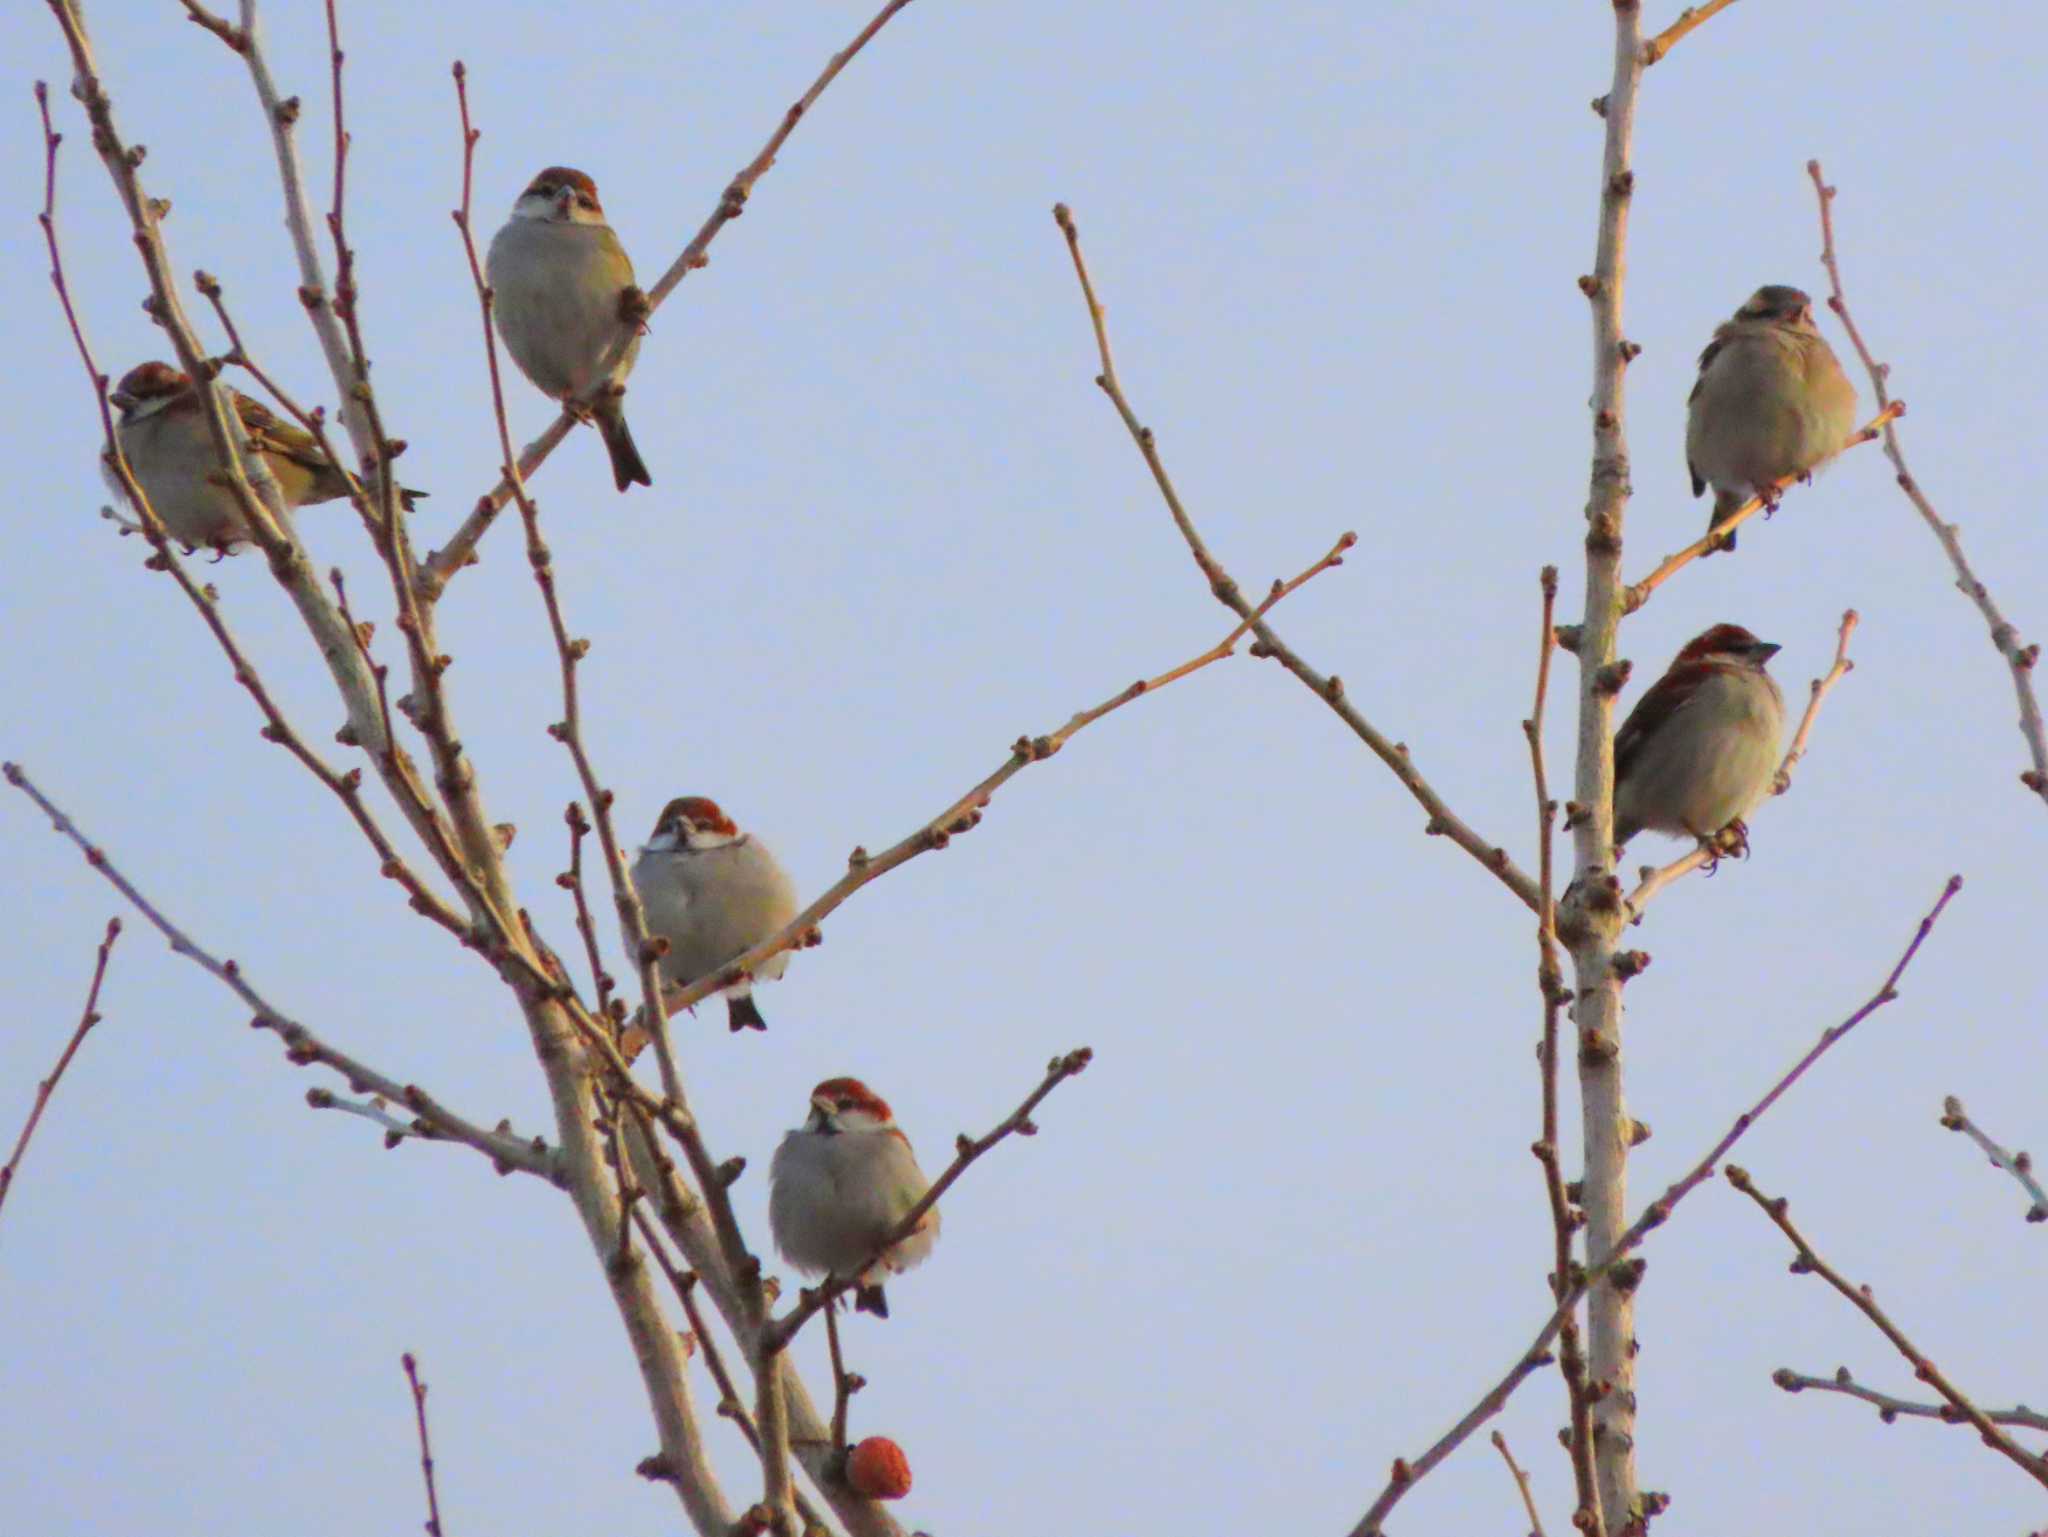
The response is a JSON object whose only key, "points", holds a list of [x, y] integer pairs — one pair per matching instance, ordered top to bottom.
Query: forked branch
{"points": [[1330, 689], [1809, 1262]]}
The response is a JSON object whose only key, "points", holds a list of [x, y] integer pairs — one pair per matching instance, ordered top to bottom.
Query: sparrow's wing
{"points": [[1707, 357], [272, 435], [1667, 697]]}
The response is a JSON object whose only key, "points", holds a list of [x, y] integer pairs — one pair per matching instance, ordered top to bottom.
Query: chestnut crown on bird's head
{"points": [[568, 193], [1780, 302], [147, 381], [1727, 643], [694, 813], [849, 1097]]}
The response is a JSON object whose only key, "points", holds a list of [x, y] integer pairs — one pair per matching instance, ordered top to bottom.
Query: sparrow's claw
{"points": [[634, 307], [1731, 842]]}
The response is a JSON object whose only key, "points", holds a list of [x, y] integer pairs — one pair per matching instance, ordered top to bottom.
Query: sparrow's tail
{"points": [[628, 468], [1725, 502], [742, 1013], [869, 1299]]}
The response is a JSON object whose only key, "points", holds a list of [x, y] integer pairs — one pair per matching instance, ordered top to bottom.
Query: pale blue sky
{"points": [[1287, 1227]]}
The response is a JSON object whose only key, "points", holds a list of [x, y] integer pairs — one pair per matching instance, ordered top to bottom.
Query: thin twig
{"points": [[1692, 16], [460, 549], [1639, 593], [2005, 636], [1330, 689], [964, 814], [1653, 879], [571, 880], [86, 1020], [302, 1048], [1017, 1123], [2019, 1165], [1564, 1221], [1616, 1265], [1859, 1297], [844, 1383], [1890, 1408], [419, 1410], [1500, 1444]]}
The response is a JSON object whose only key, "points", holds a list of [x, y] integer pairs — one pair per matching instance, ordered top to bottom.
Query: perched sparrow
{"points": [[561, 283], [1771, 401], [163, 436], [1701, 747], [712, 892], [839, 1185]]}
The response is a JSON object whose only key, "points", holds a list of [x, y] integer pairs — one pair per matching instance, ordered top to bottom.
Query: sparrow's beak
{"points": [[565, 202], [121, 400], [1763, 651], [821, 1116]]}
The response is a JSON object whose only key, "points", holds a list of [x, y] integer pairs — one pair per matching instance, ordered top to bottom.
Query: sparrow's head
{"points": [[560, 195], [1779, 304], [146, 389], [1727, 645], [691, 822], [847, 1104]]}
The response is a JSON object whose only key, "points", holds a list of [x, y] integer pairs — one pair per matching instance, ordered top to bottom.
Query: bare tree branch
{"points": [[1689, 18], [1716, 536], [2005, 636], [1330, 689], [964, 814], [1589, 921], [89, 1017], [302, 1048], [2019, 1165], [1564, 1219], [1859, 1297], [1890, 1408], [419, 1410], [1500, 1444]]}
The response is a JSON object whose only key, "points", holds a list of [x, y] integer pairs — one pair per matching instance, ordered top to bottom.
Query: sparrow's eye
{"points": [[585, 200]]}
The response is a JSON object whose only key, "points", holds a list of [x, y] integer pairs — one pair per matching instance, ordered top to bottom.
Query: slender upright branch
{"points": [[460, 549], [2005, 636], [1330, 689], [1590, 919], [1550, 987], [86, 1020], [2019, 1165], [1810, 1263], [844, 1383], [1890, 1409], [419, 1411], [1500, 1444], [1406, 1473]]}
